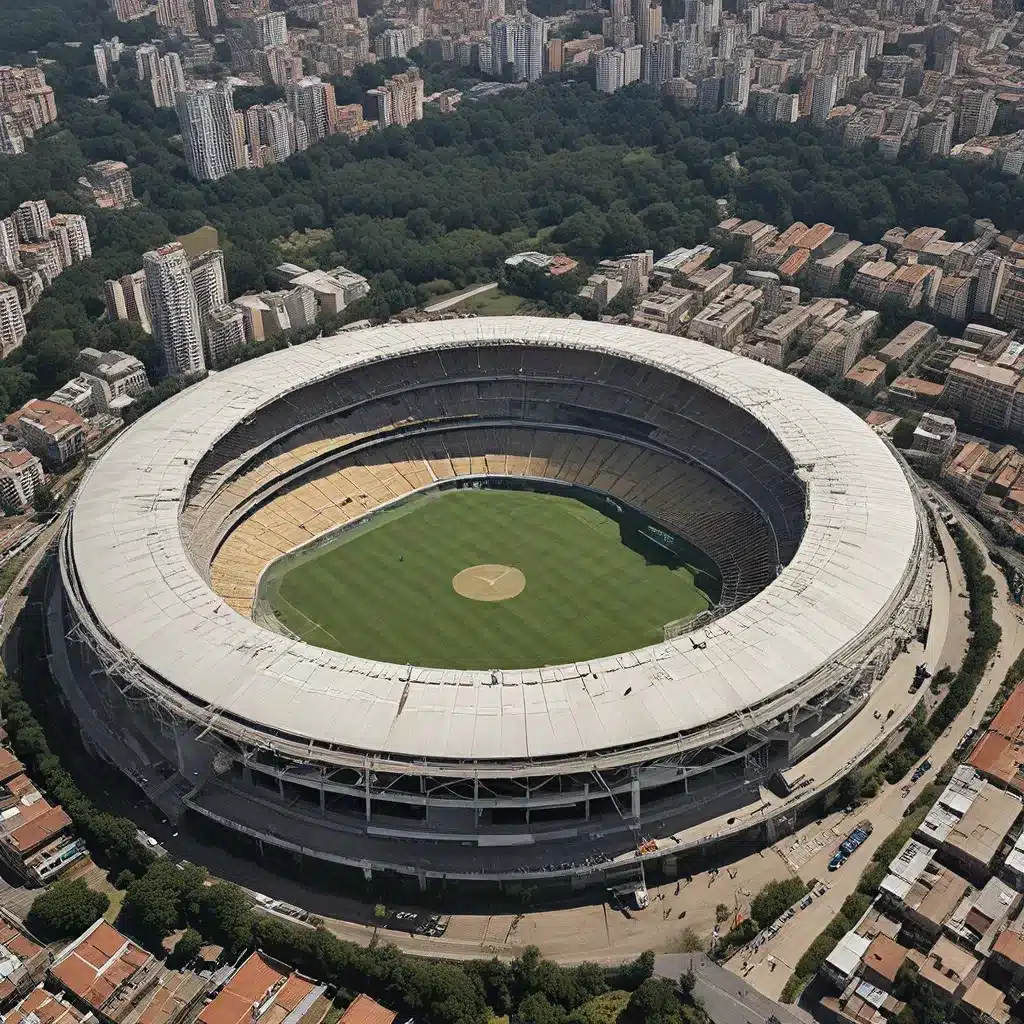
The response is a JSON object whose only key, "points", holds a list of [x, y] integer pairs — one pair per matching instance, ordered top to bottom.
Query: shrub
{"points": [[775, 899]]}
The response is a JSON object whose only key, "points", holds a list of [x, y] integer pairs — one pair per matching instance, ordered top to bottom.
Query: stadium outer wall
{"points": [[577, 816]]}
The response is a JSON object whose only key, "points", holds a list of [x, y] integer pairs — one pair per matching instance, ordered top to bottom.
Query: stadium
{"points": [[482, 599]]}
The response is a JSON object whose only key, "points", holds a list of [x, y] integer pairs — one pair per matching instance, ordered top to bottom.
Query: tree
{"points": [[623, 302], [903, 434], [43, 500], [850, 788], [124, 879], [164, 898], [150, 908], [65, 910], [721, 913], [225, 915], [187, 947], [687, 983], [654, 1002], [535, 1009]]}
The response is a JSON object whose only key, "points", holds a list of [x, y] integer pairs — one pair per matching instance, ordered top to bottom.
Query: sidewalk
{"points": [[886, 810]]}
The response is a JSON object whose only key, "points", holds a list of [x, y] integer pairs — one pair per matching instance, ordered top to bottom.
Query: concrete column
{"points": [[246, 773], [280, 787], [634, 788], [366, 791], [323, 799], [586, 801], [476, 802], [421, 877]]}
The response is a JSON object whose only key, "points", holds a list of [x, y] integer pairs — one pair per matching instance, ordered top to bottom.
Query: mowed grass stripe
{"points": [[386, 593]]}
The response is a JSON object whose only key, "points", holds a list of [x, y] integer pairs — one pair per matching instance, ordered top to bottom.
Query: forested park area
{"points": [[440, 204]]}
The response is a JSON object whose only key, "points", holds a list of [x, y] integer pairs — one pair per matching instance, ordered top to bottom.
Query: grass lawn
{"points": [[199, 241], [492, 303], [10, 570], [385, 591], [116, 899]]}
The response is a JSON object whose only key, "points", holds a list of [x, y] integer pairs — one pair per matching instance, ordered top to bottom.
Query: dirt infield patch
{"points": [[489, 582]]}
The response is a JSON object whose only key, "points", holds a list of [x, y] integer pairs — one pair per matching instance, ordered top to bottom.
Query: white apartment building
{"points": [[176, 14], [206, 14], [648, 21], [270, 30], [519, 39], [397, 42], [99, 55], [659, 60], [147, 61], [618, 67], [165, 75], [169, 82], [823, 98], [400, 99], [313, 103], [977, 113], [212, 131], [273, 133], [12, 142], [33, 220], [72, 233], [9, 255], [45, 258], [991, 270], [209, 281], [29, 286], [332, 290], [113, 298], [126, 299], [301, 305], [174, 309], [275, 315], [12, 321], [223, 330], [115, 377], [77, 395], [21, 473]]}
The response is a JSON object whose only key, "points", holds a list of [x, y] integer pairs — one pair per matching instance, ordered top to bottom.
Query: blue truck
{"points": [[849, 844]]}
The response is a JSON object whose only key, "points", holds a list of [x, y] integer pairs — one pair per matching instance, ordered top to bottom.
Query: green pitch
{"points": [[385, 591]]}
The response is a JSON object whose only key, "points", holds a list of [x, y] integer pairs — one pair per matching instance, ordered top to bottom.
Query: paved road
{"points": [[454, 300], [15, 598], [885, 812], [726, 999]]}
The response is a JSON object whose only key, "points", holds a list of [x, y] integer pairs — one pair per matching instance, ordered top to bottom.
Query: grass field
{"points": [[199, 241], [493, 303], [385, 591]]}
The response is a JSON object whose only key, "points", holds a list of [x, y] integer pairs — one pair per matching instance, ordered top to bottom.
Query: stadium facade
{"points": [[179, 676]]}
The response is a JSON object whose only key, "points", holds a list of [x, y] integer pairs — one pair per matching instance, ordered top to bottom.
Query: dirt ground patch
{"points": [[489, 582]]}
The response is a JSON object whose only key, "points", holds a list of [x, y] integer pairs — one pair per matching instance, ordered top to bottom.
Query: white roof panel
{"points": [[129, 555]]}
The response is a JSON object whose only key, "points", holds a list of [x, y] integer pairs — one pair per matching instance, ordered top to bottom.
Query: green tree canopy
{"points": [[65, 910]]}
